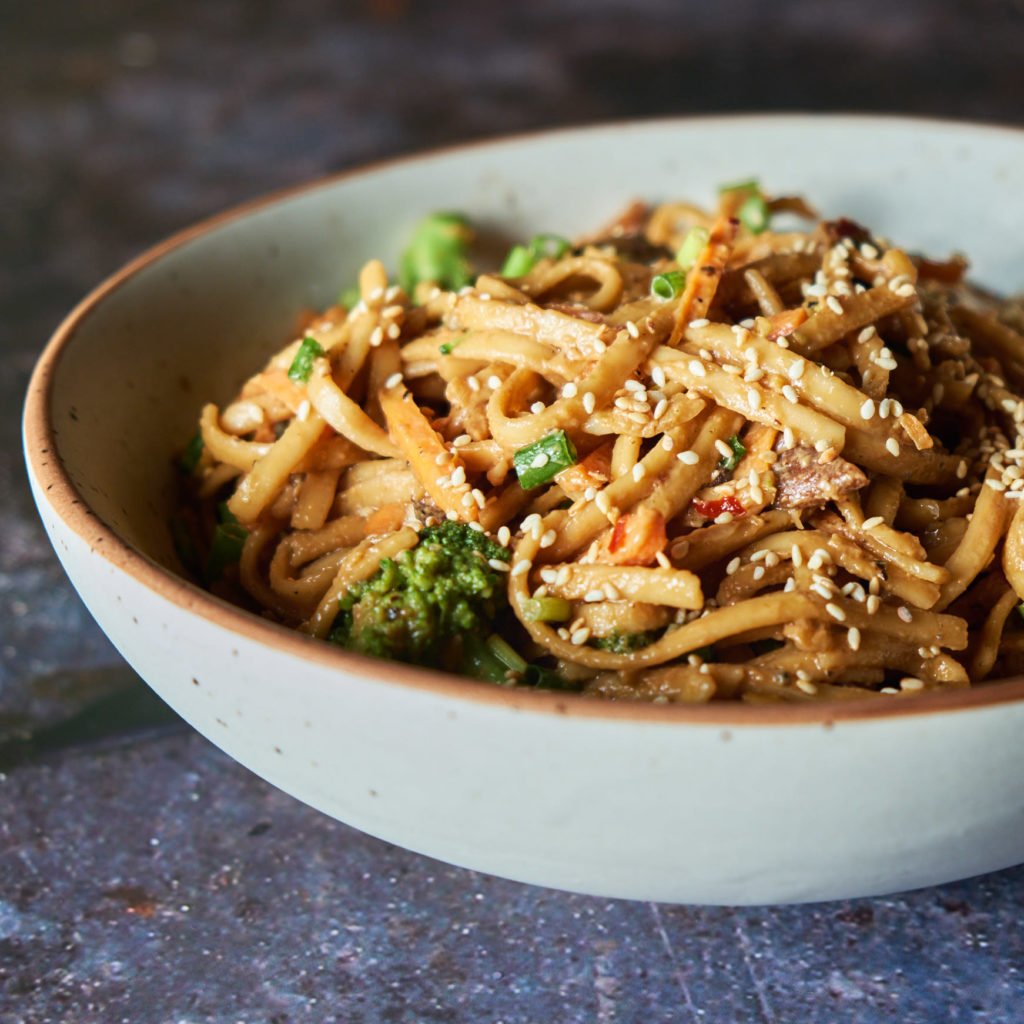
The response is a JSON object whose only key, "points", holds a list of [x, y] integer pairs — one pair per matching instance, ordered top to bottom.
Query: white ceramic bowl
{"points": [[716, 804]]}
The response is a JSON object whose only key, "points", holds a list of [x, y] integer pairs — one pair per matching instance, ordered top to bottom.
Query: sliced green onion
{"points": [[747, 185], [754, 213], [694, 242], [547, 246], [437, 252], [519, 261], [668, 285], [350, 296], [445, 348], [302, 364], [738, 451], [192, 454], [537, 463], [226, 549], [546, 609], [505, 654], [481, 662], [545, 679]]}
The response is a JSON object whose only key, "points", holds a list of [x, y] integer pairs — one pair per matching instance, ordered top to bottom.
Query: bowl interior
{"points": [[188, 322]]}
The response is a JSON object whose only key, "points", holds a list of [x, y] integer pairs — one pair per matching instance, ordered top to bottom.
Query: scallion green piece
{"points": [[754, 213], [694, 242], [547, 246], [437, 252], [519, 261], [668, 285], [350, 296], [446, 348], [302, 364], [738, 451], [192, 454], [537, 463], [226, 548], [546, 609], [505, 654], [480, 661]]}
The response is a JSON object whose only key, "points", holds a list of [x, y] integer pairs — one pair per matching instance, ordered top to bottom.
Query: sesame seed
{"points": [[906, 291], [835, 305], [699, 323], [393, 331], [634, 331], [376, 337], [697, 368], [796, 369], [752, 374], [658, 376], [393, 381], [494, 382], [474, 384], [569, 391], [789, 393], [754, 398], [589, 402], [537, 408], [659, 409], [303, 410], [867, 410], [461, 440], [667, 443], [892, 446], [723, 449], [441, 458], [688, 458], [540, 460], [639, 472], [458, 476], [996, 485], [589, 494], [478, 497], [467, 500], [870, 524], [476, 527], [504, 536], [548, 539], [797, 555], [497, 565], [733, 566], [521, 568], [759, 572], [562, 576], [822, 590], [611, 592], [593, 596], [836, 612], [904, 613], [580, 636], [853, 638], [910, 683], [806, 686]]}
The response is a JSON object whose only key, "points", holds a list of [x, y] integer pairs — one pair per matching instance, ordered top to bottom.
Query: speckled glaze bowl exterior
{"points": [[719, 804]]}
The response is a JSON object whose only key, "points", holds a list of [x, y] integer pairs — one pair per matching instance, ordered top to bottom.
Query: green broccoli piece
{"points": [[418, 606], [624, 643]]}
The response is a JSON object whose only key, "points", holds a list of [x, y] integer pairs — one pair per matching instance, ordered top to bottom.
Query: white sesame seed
{"points": [[906, 291], [835, 305], [700, 323], [393, 331], [634, 331], [376, 337], [697, 368], [796, 370], [658, 376], [393, 381], [494, 382], [473, 383], [569, 391], [789, 393], [754, 398], [589, 402], [537, 408], [659, 409], [303, 410], [867, 410], [461, 440], [667, 443], [892, 446], [723, 449], [441, 458], [689, 458], [639, 472], [458, 476], [996, 485], [478, 497], [467, 499], [601, 501], [872, 522], [476, 527], [504, 536], [548, 539], [797, 555], [497, 565], [733, 566], [521, 568], [759, 572], [562, 576], [611, 592], [593, 596], [836, 612], [904, 613], [580, 636], [853, 638], [910, 683], [806, 686]]}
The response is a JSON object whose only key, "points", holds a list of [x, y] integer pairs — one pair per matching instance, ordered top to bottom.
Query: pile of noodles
{"points": [[798, 474]]}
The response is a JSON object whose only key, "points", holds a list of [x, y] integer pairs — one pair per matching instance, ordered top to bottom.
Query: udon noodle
{"points": [[766, 464]]}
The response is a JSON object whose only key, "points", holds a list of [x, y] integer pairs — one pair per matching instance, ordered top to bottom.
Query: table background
{"points": [[144, 877]]}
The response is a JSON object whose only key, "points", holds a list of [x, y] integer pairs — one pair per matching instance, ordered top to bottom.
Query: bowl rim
{"points": [[72, 507]]}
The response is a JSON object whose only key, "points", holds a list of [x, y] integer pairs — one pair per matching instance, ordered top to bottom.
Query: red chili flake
{"points": [[713, 509]]}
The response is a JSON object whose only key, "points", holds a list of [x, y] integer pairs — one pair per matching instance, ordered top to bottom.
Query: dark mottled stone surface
{"points": [[146, 878]]}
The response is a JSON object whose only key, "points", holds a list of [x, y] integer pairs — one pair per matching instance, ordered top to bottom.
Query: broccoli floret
{"points": [[418, 606], [624, 643]]}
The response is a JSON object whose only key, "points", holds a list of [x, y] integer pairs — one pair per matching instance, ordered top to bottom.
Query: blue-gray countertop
{"points": [[144, 877]]}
